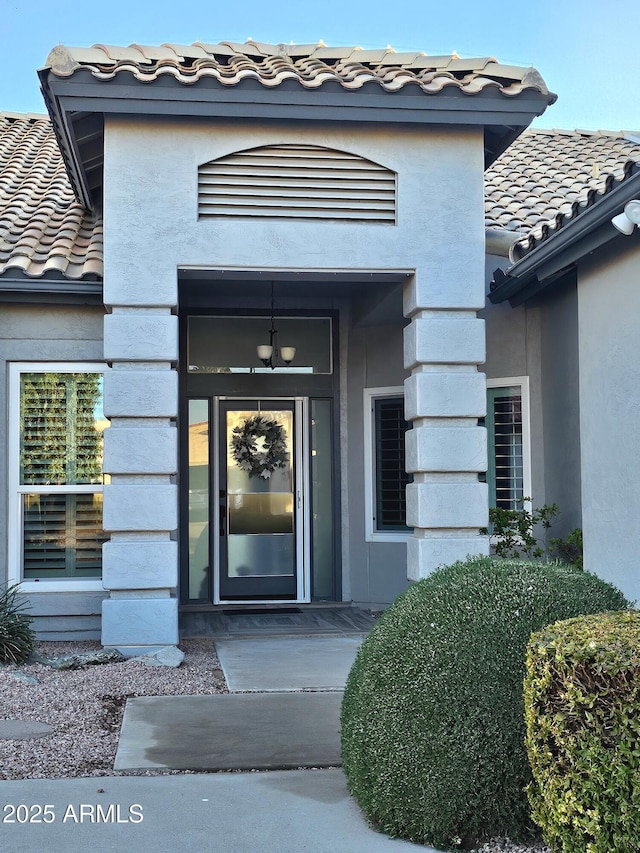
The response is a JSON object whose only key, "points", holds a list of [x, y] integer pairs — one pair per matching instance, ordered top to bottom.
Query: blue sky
{"points": [[587, 51]]}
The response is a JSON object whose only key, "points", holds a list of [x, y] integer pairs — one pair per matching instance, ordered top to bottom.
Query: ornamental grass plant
{"points": [[16, 636], [433, 712]]}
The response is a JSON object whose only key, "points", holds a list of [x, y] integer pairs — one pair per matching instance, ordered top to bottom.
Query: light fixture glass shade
{"points": [[632, 210], [264, 352], [287, 354]]}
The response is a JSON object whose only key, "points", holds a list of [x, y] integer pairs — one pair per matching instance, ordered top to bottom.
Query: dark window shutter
{"points": [[391, 476]]}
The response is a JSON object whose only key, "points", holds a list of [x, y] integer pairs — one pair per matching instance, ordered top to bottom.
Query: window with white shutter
{"points": [[507, 423], [59, 440]]}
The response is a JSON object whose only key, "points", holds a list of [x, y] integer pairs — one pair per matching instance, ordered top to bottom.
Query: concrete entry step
{"points": [[287, 663], [230, 731]]}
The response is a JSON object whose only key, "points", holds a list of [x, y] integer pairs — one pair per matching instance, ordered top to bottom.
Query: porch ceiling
{"points": [[375, 297]]}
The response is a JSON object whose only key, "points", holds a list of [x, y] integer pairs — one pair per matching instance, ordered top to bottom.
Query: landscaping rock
{"points": [[167, 656], [85, 659], [25, 677]]}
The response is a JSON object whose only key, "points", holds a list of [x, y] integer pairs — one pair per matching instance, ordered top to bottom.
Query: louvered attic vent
{"points": [[297, 182]]}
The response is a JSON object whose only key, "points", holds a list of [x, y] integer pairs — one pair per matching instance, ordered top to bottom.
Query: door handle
{"points": [[223, 511]]}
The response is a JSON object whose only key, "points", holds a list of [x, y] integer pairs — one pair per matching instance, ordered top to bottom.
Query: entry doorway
{"points": [[261, 500], [248, 518], [234, 536]]}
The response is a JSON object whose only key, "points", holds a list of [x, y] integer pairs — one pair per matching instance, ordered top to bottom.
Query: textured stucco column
{"points": [[446, 449], [140, 562]]}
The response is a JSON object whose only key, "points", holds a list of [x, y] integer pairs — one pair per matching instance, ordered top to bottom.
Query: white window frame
{"points": [[523, 383], [370, 395], [16, 490]]}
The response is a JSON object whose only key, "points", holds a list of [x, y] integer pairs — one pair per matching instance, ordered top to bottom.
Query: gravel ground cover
{"points": [[85, 707]]}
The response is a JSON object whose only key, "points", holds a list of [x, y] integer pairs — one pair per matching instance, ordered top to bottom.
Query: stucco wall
{"points": [[151, 224], [152, 230], [609, 320], [41, 333], [540, 340], [514, 348], [561, 406], [377, 570]]}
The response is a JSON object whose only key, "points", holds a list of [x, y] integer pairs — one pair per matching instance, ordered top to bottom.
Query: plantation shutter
{"points": [[61, 425], [504, 427], [59, 441], [391, 476], [63, 535]]}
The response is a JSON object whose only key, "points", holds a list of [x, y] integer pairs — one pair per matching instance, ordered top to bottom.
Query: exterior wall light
{"points": [[626, 221]]}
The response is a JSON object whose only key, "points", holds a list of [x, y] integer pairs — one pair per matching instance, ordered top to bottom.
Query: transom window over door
{"points": [[229, 344], [57, 438]]}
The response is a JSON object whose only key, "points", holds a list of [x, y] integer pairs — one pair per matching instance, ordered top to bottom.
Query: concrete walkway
{"points": [[287, 663], [264, 723], [234, 731], [279, 811], [276, 812]]}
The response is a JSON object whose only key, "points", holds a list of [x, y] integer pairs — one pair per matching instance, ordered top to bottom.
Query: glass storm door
{"points": [[258, 501]]}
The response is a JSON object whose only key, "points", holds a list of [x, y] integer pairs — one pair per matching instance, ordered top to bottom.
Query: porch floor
{"points": [[296, 620]]}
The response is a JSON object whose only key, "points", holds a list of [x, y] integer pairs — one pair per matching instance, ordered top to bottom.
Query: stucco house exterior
{"points": [[576, 277], [243, 315]]}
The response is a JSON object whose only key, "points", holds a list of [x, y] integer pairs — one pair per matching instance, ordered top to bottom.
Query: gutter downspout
{"points": [[499, 241]]}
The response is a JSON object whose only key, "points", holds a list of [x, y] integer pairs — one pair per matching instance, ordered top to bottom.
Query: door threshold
{"points": [[254, 607]]}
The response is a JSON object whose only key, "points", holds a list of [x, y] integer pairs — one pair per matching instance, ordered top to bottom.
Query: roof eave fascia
{"points": [[80, 92], [484, 108], [66, 142], [587, 232], [18, 287]]}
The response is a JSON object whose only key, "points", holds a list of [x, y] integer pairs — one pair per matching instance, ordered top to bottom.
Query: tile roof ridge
{"points": [[24, 116], [578, 131]]}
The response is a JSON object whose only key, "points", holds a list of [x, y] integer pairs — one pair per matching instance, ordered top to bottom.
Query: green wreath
{"points": [[259, 462]]}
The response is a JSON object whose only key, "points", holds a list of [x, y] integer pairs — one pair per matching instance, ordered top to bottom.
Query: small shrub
{"points": [[514, 529], [568, 550], [16, 635], [582, 700], [433, 715]]}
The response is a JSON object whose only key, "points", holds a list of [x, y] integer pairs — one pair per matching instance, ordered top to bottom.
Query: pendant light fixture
{"points": [[270, 354]]}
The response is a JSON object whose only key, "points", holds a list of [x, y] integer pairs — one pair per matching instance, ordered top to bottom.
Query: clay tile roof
{"points": [[311, 65], [547, 177], [43, 229]]}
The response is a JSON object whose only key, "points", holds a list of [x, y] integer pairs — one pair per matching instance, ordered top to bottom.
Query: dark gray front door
{"points": [[258, 500]]}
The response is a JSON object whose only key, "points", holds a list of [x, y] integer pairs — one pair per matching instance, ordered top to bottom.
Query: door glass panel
{"points": [[260, 488], [321, 499], [261, 556], [199, 561]]}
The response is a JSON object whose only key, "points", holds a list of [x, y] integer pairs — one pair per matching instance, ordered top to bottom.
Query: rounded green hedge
{"points": [[433, 715]]}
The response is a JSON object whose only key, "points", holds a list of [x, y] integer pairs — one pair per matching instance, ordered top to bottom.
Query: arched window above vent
{"points": [[297, 182]]}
